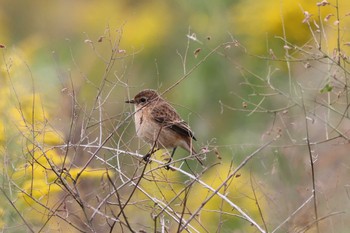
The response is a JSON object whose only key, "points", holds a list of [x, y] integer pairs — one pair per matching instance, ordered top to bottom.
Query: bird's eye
{"points": [[143, 100]]}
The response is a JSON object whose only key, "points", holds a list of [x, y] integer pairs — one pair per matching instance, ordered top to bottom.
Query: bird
{"points": [[158, 123]]}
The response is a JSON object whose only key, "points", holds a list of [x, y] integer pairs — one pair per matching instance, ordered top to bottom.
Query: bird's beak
{"points": [[130, 101]]}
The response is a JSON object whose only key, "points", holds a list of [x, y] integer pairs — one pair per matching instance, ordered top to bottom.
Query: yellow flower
{"points": [[258, 22], [2, 132], [171, 188], [2, 223]]}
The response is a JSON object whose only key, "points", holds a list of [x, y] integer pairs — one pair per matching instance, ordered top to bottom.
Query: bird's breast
{"points": [[152, 131]]}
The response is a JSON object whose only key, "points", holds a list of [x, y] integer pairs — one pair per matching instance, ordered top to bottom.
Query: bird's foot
{"points": [[146, 158], [167, 165]]}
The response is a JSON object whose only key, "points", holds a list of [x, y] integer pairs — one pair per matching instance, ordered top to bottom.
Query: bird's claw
{"points": [[146, 157]]}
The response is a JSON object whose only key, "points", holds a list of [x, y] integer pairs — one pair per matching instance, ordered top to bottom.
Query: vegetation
{"points": [[264, 86]]}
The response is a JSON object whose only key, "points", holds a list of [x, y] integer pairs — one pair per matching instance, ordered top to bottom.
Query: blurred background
{"points": [[265, 58]]}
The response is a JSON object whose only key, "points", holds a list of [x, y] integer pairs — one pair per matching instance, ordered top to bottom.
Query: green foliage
{"points": [[242, 73], [326, 88]]}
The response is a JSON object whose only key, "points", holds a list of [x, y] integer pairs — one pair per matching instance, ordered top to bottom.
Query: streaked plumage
{"points": [[158, 123]]}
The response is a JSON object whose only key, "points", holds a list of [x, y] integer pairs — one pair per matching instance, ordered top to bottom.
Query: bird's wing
{"points": [[168, 117]]}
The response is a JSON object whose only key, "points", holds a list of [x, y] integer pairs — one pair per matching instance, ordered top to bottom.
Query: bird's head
{"points": [[144, 97]]}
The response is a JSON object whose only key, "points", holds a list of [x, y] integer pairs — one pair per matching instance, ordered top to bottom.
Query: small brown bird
{"points": [[158, 124]]}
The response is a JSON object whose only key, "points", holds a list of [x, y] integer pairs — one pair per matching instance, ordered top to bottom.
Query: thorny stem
{"points": [[313, 179]]}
